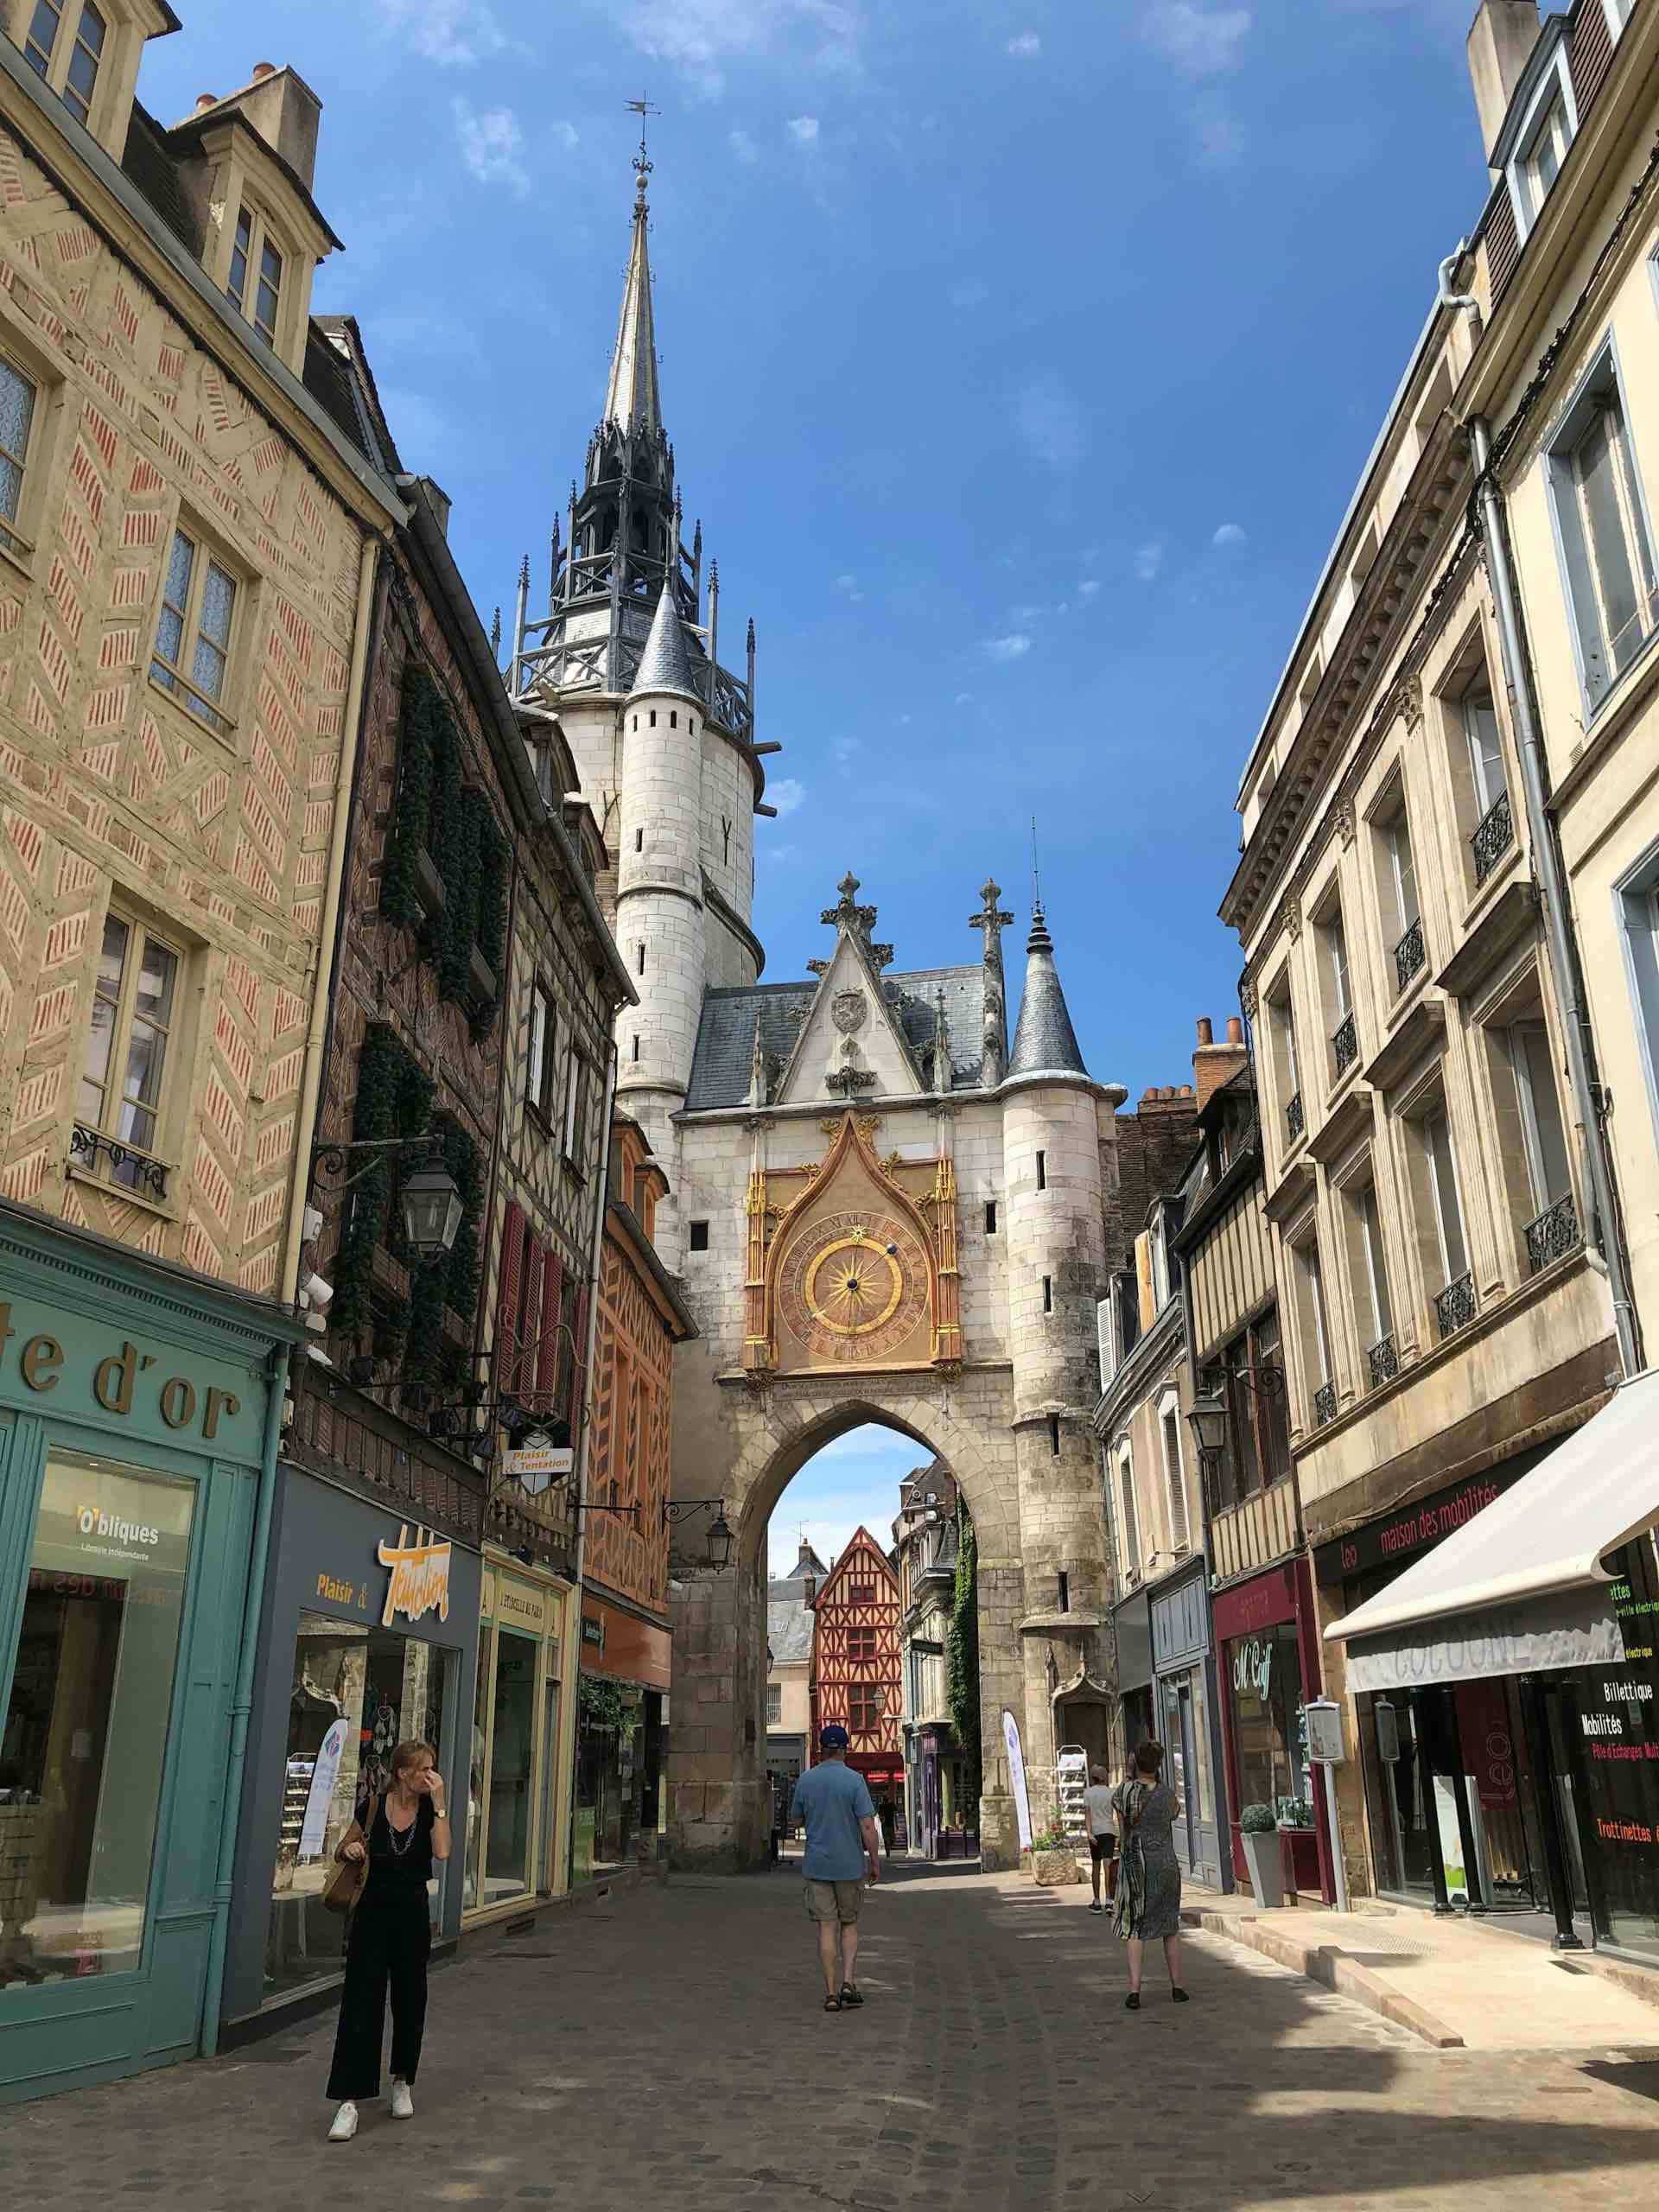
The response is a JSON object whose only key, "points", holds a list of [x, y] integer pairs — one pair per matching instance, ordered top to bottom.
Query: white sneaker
{"points": [[402, 2104], [345, 2125]]}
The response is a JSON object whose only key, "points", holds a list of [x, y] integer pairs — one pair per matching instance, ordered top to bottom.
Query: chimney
{"points": [[1501, 40], [284, 111], [1214, 1065], [809, 1589]]}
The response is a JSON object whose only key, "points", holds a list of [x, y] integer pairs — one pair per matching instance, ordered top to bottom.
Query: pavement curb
{"points": [[1333, 1969]]}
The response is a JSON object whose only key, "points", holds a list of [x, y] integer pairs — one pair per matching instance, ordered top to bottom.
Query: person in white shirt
{"points": [[1097, 1815]]}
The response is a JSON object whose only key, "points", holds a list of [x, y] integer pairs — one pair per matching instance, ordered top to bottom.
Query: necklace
{"points": [[401, 1837]]}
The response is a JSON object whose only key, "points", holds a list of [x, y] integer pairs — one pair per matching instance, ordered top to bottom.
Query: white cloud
{"points": [[453, 33], [701, 39], [1196, 40], [1026, 47], [803, 130], [1219, 134], [567, 136], [492, 146], [743, 146], [1050, 421], [1230, 533], [1089, 555], [1148, 559], [1088, 587], [1022, 616], [1004, 650], [786, 794], [778, 855]]}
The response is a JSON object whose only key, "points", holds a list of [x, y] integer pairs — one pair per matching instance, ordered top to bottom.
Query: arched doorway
{"points": [[715, 1769]]}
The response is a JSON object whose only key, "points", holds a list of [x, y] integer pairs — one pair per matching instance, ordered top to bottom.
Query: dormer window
{"points": [[65, 45], [1541, 124], [256, 263]]}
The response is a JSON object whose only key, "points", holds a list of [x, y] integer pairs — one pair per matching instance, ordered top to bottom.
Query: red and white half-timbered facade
{"points": [[856, 1668]]}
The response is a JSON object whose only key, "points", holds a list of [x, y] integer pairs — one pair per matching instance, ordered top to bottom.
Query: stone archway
{"points": [[717, 1763]]}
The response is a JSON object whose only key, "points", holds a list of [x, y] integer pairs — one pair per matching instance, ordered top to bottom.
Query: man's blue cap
{"points": [[833, 1738]]}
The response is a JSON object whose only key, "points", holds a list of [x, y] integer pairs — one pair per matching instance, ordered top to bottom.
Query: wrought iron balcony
{"points": [[1494, 835], [1409, 954], [1345, 1044], [1294, 1120], [131, 1169], [1555, 1233], [1454, 1308], [1383, 1360], [1325, 1404]]}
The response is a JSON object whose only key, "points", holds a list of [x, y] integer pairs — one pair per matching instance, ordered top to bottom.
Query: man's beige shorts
{"points": [[833, 1901]]}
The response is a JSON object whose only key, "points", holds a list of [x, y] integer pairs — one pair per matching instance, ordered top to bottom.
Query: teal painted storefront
{"points": [[139, 1414]]}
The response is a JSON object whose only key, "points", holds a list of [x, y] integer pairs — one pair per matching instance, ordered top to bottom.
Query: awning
{"points": [[1520, 1587]]}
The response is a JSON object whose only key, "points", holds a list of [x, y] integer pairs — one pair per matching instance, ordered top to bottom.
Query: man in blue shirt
{"points": [[842, 1850]]}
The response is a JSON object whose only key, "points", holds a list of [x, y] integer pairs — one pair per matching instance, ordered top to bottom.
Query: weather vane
{"points": [[641, 107], [1036, 878]]}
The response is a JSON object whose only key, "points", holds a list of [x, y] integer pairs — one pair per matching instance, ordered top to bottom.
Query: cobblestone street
{"points": [[670, 2049]]}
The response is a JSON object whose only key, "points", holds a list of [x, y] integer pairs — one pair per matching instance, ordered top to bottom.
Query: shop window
{"points": [[194, 630], [124, 1062], [1264, 1677], [356, 1694], [774, 1703], [84, 1742]]}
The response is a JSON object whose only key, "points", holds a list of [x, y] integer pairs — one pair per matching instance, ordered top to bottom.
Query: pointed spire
{"points": [[631, 396], [665, 665], [1045, 1042]]}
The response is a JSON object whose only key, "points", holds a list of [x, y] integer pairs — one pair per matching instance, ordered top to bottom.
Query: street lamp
{"points": [[432, 1213], [1208, 1421], [721, 1537]]}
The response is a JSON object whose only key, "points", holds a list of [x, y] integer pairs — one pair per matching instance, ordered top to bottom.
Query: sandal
{"points": [[851, 1995], [1180, 1997], [1132, 2002], [832, 2004]]}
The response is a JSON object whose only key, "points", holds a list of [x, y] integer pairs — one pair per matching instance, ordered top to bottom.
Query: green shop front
{"points": [[139, 1417]]}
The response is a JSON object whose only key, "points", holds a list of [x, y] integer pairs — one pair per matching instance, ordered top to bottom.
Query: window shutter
{"points": [[506, 1312], [530, 1315], [548, 1353]]}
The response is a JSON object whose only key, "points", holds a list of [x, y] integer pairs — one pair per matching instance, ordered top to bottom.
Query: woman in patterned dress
{"points": [[1149, 1874]]}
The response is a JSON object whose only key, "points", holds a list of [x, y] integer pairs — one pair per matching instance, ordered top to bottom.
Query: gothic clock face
{"points": [[853, 1286]]}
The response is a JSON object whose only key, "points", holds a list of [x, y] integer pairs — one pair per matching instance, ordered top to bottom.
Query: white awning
{"points": [[1531, 1561]]}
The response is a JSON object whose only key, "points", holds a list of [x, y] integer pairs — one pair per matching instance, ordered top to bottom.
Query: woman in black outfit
{"points": [[390, 1937]]}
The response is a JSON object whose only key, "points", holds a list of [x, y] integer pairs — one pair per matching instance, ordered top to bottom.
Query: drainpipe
{"points": [[1564, 966], [581, 1451], [230, 1824]]}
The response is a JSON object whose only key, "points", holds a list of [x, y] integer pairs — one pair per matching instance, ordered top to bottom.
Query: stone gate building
{"points": [[879, 1211]]}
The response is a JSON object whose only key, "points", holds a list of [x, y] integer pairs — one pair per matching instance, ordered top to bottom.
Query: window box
{"points": [[429, 885], [481, 976]]}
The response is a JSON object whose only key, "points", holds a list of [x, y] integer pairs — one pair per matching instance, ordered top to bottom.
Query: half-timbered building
{"points": [[857, 1676]]}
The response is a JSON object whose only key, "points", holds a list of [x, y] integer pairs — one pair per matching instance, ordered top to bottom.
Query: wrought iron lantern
{"points": [[432, 1213], [1208, 1421]]}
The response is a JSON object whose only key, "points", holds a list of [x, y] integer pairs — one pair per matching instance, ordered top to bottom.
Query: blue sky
{"points": [[1018, 359]]}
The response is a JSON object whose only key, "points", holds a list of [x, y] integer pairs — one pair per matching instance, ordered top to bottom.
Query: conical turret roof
{"points": [[666, 665], [1044, 1043]]}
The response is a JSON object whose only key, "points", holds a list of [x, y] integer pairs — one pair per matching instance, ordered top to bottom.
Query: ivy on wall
{"points": [[438, 814], [394, 1099], [453, 1282], [962, 1652]]}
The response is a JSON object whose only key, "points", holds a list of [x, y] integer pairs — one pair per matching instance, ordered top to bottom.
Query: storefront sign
{"points": [[121, 1377], [537, 1466], [1398, 1538], [420, 1576], [518, 1606], [1248, 1607], [1572, 1628], [593, 1632], [1253, 1666], [1017, 1777]]}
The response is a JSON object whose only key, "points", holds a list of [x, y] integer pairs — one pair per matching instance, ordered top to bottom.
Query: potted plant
{"points": [[1259, 1829], [1053, 1860]]}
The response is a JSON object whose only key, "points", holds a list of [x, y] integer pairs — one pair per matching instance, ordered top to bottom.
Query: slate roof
{"points": [[665, 664], [1044, 1039], [725, 1053], [789, 1632]]}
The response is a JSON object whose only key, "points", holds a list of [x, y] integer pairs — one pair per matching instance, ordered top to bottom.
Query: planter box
{"points": [[429, 885], [480, 978], [1054, 1870], [1267, 1872]]}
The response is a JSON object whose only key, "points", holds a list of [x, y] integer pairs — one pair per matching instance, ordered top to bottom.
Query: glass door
{"points": [[83, 1737], [512, 1767]]}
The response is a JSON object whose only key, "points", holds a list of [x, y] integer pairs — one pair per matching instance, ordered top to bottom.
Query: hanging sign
{"points": [[538, 1463], [420, 1575], [324, 1775], [1017, 1776]]}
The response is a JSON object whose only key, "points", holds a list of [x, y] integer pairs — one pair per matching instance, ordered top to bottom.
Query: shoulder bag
{"points": [[351, 1877]]}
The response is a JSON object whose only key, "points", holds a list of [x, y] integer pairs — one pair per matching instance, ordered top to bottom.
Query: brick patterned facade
{"points": [[108, 788]]}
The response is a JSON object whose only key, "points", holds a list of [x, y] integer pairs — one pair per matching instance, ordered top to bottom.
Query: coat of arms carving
{"points": [[849, 1010]]}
